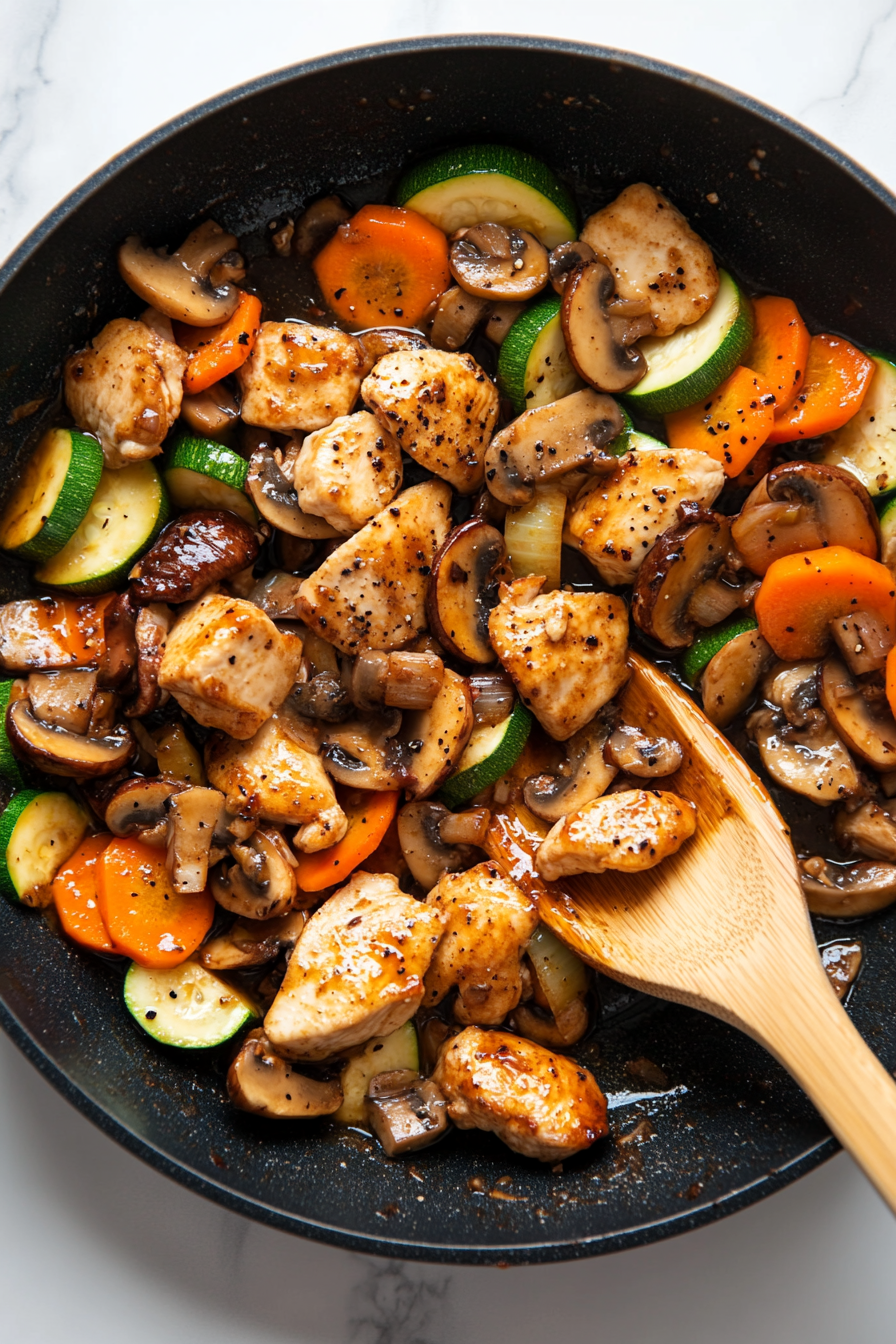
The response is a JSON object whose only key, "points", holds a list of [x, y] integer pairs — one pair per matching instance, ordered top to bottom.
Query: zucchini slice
{"points": [[494, 183], [689, 364], [533, 366], [866, 445], [203, 474], [53, 494], [128, 510], [888, 534], [706, 645], [489, 754], [9, 766], [39, 832], [186, 1005], [399, 1050]]}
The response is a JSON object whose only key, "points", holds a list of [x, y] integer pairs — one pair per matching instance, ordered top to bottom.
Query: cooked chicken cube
{"points": [[654, 254], [300, 376], [126, 386], [441, 407], [349, 471], [616, 523], [370, 593], [565, 651], [228, 665], [280, 770], [626, 832], [488, 922], [357, 970], [540, 1104]]}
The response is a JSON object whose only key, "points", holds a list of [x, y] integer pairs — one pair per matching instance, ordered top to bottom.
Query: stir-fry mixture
{"points": [[322, 682]]}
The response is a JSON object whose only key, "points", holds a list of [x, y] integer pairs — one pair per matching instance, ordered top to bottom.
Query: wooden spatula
{"points": [[722, 921]]}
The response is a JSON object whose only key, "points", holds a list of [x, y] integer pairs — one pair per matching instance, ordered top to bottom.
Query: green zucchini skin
{"points": [[55, 491], [476, 771]]}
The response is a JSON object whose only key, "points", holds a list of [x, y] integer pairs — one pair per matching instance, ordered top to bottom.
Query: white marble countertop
{"points": [[98, 1247]]}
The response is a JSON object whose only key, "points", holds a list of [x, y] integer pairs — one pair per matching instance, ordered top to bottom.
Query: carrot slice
{"points": [[383, 265], [780, 349], [217, 351], [837, 378], [731, 425], [802, 593], [891, 679], [369, 819], [75, 898], [147, 919]]}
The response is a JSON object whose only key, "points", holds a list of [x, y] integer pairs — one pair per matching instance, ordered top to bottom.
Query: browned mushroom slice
{"points": [[316, 225], [565, 258], [494, 262], [179, 285], [457, 316], [501, 319], [601, 330], [379, 341], [212, 413], [551, 441], [276, 499], [801, 506], [195, 551], [682, 559], [463, 589], [276, 594], [716, 599], [151, 631], [864, 640], [119, 657], [731, 676], [398, 680], [793, 687], [494, 696], [323, 697], [63, 699], [860, 714], [435, 738], [631, 750], [59, 752], [364, 753], [811, 760], [583, 776], [139, 807], [193, 814], [868, 829], [435, 841], [261, 884], [850, 892], [252, 942], [842, 962], [556, 1033], [261, 1082], [405, 1112]]}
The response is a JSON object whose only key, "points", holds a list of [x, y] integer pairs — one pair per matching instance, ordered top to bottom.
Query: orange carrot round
{"points": [[383, 267], [780, 349], [217, 351], [837, 378], [731, 425], [802, 593], [891, 678], [368, 821], [75, 898], [147, 919]]}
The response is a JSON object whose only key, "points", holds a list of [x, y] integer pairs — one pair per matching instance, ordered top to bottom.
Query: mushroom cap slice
{"points": [[565, 258], [494, 262], [179, 285], [456, 317], [600, 333], [549, 442], [277, 500], [195, 551], [682, 559], [463, 589], [864, 641], [731, 676], [793, 687], [63, 699], [860, 714], [436, 737], [631, 750], [363, 751], [60, 752], [811, 760], [582, 777], [138, 807], [193, 815], [868, 829], [427, 853], [262, 882], [849, 892], [252, 942], [556, 1033], [260, 1081], [405, 1112]]}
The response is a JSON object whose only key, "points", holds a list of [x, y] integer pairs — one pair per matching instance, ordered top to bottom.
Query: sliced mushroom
{"points": [[316, 225], [565, 258], [494, 262], [179, 285], [457, 316], [501, 319], [601, 330], [212, 413], [551, 441], [276, 499], [802, 506], [195, 551], [682, 559], [463, 589], [276, 594], [715, 599], [151, 631], [864, 641], [119, 656], [731, 676], [398, 680], [793, 687], [494, 696], [324, 697], [63, 699], [860, 714], [435, 738], [631, 750], [60, 752], [364, 752], [811, 760], [583, 776], [139, 807], [192, 817], [868, 829], [435, 841], [261, 884], [850, 892], [252, 942], [842, 963], [556, 1033], [260, 1081], [405, 1112]]}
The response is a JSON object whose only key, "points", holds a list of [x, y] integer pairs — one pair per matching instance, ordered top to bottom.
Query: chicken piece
{"points": [[654, 254], [300, 376], [126, 386], [441, 407], [347, 472], [616, 523], [370, 593], [565, 651], [228, 665], [279, 771], [626, 832], [488, 922], [357, 970], [540, 1104]]}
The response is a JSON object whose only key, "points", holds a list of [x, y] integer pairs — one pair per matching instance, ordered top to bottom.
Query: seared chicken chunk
{"points": [[654, 255], [300, 376], [127, 387], [441, 407], [347, 472], [616, 522], [370, 593], [565, 651], [228, 665], [279, 771], [626, 831], [488, 922], [357, 970], [540, 1104]]}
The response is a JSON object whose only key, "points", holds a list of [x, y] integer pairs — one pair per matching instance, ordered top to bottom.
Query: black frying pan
{"points": [[725, 1126]]}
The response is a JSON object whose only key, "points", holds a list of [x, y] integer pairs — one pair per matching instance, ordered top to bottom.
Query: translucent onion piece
{"points": [[534, 536], [562, 976]]}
